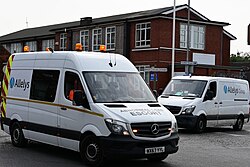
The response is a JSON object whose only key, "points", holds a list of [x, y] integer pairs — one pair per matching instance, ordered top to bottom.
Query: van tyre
{"points": [[200, 124], [239, 124], [17, 137], [91, 151], [158, 158]]}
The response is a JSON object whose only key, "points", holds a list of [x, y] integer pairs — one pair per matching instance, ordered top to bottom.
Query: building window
{"points": [[142, 36], [196, 36], [84, 37], [110, 38], [97, 39], [63, 41], [50, 43], [32, 45], [7, 47], [16, 48], [144, 73], [44, 85]]}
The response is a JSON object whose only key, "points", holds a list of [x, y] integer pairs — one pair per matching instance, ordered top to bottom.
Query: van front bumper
{"points": [[186, 121], [126, 146]]}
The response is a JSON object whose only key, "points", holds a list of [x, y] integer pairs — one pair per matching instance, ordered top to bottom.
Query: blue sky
{"points": [[13, 13]]}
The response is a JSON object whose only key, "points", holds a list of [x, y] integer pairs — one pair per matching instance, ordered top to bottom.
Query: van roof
{"points": [[82, 61], [208, 78]]}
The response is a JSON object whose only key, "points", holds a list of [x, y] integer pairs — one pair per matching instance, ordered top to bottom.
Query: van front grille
{"points": [[173, 109], [151, 129]]}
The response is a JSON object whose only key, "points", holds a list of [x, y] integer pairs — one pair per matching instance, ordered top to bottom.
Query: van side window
{"points": [[71, 83], [44, 85], [213, 88], [211, 91]]}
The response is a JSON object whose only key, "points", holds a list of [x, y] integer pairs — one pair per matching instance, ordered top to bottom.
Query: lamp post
{"points": [[188, 39], [173, 41]]}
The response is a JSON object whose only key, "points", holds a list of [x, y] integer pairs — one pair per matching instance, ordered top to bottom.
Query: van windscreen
{"points": [[118, 87], [185, 88]]}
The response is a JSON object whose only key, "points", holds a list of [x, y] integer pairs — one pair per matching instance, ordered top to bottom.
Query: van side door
{"points": [[211, 105], [229, 105], [43, 106], [71, 115]]}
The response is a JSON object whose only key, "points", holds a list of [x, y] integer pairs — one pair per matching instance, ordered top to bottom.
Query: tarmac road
{"points": [[217, 147]]}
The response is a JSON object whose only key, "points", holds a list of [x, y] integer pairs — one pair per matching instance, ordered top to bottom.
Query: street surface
{"points": [[217, 147]]}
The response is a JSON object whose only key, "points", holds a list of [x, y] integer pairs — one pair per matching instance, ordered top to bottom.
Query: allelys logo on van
{"points": [[19, 83], [234, 90]]}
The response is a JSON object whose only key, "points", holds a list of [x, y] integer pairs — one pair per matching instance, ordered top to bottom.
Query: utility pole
{"points": [[188, 39], [173, 40]]}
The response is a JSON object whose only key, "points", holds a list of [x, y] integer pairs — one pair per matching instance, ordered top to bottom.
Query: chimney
{"points": [[85, 21]]}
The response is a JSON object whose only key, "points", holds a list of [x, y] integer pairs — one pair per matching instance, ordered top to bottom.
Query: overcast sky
{"points": [[13, 13]]}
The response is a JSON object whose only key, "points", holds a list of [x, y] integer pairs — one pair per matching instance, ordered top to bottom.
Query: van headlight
{"points": [[188, 109], [116, 127], [174, 127]]}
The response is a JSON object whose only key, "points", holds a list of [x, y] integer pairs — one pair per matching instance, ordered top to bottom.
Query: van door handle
{"points": [[220, 102], [215, 103], [63, 108]]}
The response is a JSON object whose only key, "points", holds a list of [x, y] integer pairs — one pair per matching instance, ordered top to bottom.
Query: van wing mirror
{"points": [[155, 93], [209, 95], [78, 98]]}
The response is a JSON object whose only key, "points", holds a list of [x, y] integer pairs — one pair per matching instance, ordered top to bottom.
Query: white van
{"points": [[199, 101], [91, 102]]}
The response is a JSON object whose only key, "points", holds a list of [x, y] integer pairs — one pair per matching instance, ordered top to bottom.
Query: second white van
{"points": [[199, 101]]}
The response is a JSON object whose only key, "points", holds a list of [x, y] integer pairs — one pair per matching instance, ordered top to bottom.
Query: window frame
{"points": [[141, 34], [196, 36], [96, 39], [63, 41], [85, 42], [48, 43], [32, 45], [110, 45], [16, 47], [144, 74], [37, 77]]}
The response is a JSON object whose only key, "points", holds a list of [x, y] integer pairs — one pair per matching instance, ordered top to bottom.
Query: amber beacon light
{"points": [[78, 47], [102, 48], [26, 49]]}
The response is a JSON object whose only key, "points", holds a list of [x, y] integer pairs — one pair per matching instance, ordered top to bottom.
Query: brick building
{"points": [[144, 37]]}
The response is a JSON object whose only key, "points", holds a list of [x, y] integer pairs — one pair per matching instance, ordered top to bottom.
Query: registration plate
{"points": [[154, 150]]}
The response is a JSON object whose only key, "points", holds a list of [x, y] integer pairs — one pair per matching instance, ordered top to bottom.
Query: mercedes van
{"points": [[199, 101], [91, 102]]}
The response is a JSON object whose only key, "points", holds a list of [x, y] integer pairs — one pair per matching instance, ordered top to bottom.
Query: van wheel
{"points": [[200, 124], [239, 124], [17, 137], [91, 151], [157, 158]]}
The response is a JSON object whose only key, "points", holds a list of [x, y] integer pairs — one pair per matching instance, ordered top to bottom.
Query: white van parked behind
{"points": [[199, 101], [93, 103]]}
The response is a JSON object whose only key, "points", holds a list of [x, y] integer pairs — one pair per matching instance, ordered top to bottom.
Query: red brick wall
{"points": [[161, 36], [226, 51]]}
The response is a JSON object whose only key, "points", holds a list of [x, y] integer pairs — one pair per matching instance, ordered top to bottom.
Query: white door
{"points": [[211, 104], [43, 111], [71, 117]]}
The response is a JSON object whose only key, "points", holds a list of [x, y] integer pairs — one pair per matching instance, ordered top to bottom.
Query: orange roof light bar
{"points": [[78, 47], [102, 48], [26, 49]]}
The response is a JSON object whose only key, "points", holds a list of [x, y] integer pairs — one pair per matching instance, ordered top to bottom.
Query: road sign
{"points": [[189, 63], [152, 69], [153, 76]]}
